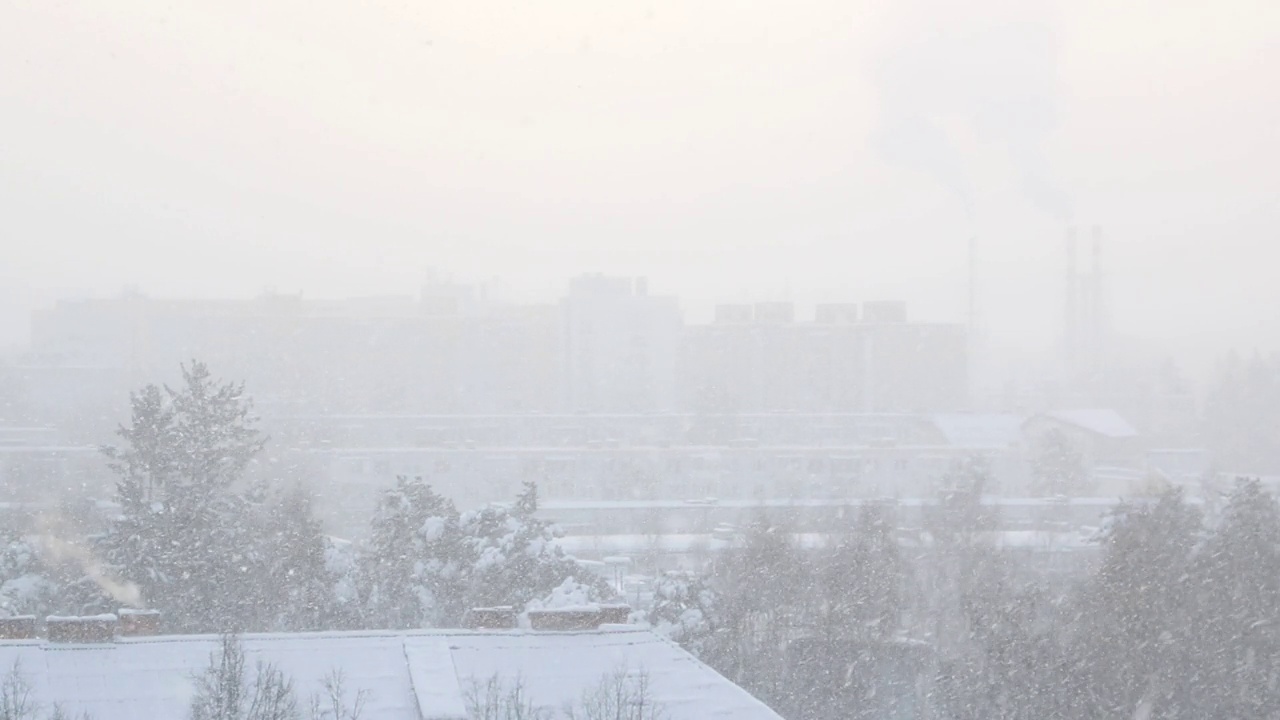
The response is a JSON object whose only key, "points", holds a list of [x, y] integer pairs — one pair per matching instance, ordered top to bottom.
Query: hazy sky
{"points": [[810, 148]]}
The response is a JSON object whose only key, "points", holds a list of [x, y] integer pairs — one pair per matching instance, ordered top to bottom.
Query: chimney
{"points": [[973, 284], [1098, 308], [1071, 328], [614, 614], [490, 618], [579, 618], [585, 618], [139, 623], [18, 627], [95, 629]]}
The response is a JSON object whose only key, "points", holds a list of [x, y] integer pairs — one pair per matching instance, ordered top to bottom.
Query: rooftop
{"points": [[411, 675]]}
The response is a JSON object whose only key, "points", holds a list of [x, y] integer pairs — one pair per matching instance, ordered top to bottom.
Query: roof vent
{"points": [[615, 614], [490, 618], [579, 618], [584, 618], [139, 623], [18, 627], [95, 629]]}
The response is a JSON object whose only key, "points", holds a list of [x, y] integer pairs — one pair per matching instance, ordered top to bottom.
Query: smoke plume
{"points": [[996, 72], [54, 549]]}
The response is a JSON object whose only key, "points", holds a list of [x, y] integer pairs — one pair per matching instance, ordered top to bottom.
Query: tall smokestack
{"points": [[973, 284], [1097, 304], [1071, 329]]}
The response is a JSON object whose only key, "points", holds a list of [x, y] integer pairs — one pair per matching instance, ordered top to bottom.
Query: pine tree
{"points": [[1242, 413], [1057, 466], [958, 526], [185, 537], [514, 556], [412, 570], [861, 582], [26, 584], [297, 584], [762, 585], [684, 609], [853, 613], [1134, 615], [1235, 627]]}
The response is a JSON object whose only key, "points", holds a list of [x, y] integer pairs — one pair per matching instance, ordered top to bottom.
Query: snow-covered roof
{"points": [[1101, 421], [979, 430], [1180, 463], [690, 543], [410, 676]]}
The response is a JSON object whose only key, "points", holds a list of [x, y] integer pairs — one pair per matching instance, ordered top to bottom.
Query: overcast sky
{"points": [[811, 148]]}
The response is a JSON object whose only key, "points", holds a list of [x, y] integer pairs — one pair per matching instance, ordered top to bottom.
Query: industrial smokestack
{"points": [[973, 284], [1097, 300], [1071, 327]]}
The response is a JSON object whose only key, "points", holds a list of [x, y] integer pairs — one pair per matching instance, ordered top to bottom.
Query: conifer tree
{"points": [[185, 536], [413, 568]]}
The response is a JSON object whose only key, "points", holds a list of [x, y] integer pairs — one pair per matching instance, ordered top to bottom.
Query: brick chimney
{"points": [[615, 614], [490, 618], [579, 618], [139, 623], [18, 627], [95, 629]]}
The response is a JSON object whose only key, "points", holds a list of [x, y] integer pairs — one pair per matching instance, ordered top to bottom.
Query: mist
{"points": [[887, 359]]}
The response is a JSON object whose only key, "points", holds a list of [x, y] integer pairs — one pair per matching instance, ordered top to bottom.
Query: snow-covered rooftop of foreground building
{"points": [[411, 675]]}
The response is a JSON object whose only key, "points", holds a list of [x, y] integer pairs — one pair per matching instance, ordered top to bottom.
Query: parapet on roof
{"points": [[416, 675]]}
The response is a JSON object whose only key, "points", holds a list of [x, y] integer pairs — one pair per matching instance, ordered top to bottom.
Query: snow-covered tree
{"points": [[1242, 413], [1057, 466], [185, 535], [958, 551], [514, 557], [426, 564], [412, 573], [44, 575], [861, 582], [26, 587], [298, 587], [765, 587], [684, 609], [1134, 612], [1234, 626]]}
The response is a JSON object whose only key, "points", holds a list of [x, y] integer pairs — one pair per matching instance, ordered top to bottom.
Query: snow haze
{"points": [[819, 150], [639, 361]]}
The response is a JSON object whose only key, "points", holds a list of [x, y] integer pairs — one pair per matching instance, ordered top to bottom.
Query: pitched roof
{"points": [[1101, 421], [979, 430], [409, 676]]}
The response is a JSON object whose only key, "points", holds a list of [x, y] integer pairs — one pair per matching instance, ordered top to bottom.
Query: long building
{"points": [[609, 346]]}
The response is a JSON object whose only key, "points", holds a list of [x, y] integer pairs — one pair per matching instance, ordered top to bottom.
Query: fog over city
{"points": [[819, 150], [805, 360]]}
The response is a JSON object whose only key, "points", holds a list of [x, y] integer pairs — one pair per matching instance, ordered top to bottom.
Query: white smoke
{"points": [[995, 70], [54, 549]]}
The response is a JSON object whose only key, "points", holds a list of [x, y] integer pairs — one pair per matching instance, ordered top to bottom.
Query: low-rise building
{"points": [[423, 675]]}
